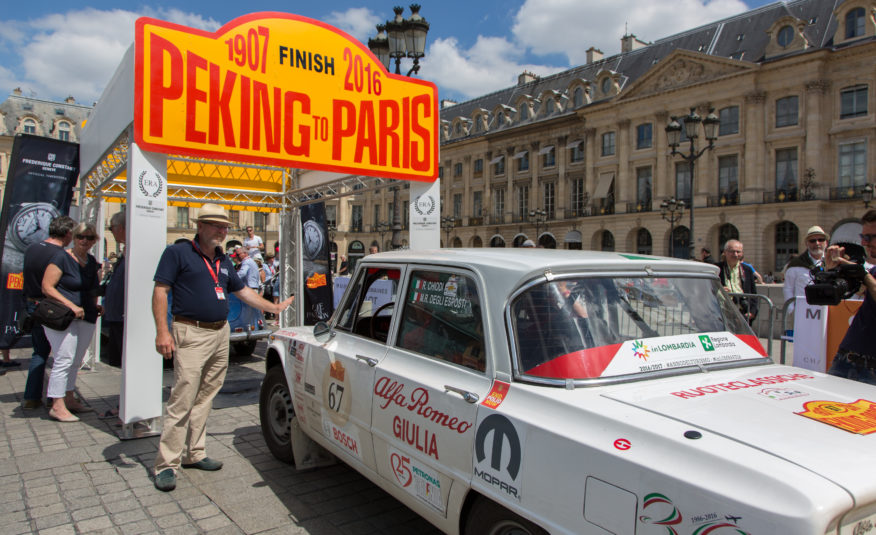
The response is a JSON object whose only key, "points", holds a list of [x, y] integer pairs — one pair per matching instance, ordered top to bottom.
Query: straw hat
{"points": [[214, 214], [816, 231]]}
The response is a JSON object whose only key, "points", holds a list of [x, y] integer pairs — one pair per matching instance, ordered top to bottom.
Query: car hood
{"points": [[822, 423]]}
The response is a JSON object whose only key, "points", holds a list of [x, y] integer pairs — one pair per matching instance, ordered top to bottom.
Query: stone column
{"points": [[662, 177], [623, 179], [751, 189]]}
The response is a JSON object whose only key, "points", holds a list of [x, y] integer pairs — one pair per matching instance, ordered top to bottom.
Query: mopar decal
{"points": [[497, 442]]}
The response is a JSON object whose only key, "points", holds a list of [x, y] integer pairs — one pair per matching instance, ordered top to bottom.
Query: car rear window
{"points": [[589, 327]]}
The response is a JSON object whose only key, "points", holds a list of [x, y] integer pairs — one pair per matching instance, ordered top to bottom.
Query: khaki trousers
{"points": [[198, 371]]}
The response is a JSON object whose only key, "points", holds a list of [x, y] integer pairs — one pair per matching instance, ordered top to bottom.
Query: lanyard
{"points": [[213, 274]]}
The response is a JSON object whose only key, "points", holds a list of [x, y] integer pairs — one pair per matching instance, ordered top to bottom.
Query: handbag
{"points": [[53, 314]]}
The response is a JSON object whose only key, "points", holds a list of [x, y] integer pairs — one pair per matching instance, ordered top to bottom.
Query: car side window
{"points": [[368, 310], [442, 319]]}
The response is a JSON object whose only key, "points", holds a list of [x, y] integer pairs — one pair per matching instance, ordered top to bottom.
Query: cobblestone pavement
{"points": [[77, 478]]}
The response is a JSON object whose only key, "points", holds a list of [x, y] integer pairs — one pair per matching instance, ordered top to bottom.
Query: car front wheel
{"points": [[277, 414], [488, 518]]}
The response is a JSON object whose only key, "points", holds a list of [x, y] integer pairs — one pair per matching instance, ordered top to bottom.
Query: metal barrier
{"points": [[763, 325], [785, 337]]}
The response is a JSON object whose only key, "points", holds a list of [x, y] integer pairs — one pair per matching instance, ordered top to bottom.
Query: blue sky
{"points": [[52, 50]]}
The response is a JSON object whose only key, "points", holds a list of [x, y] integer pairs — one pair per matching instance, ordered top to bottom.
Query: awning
{"points": [[573, 144], [545, 150], [521, 154], [497, 159], [604, 185], [573, 236]]}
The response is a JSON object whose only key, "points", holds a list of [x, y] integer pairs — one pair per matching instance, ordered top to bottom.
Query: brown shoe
{"points": [[31, 404]]}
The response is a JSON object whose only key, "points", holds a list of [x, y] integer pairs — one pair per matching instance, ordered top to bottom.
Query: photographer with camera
{"points": [[856, 358]]}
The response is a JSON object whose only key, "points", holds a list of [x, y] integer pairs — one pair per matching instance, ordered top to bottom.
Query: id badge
{"points": [[220, 295]]}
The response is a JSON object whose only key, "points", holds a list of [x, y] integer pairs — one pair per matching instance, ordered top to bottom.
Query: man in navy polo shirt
{"points": [[200, 276]]}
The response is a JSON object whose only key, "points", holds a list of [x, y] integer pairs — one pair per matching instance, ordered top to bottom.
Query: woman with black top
{"points": [[72, 278]]}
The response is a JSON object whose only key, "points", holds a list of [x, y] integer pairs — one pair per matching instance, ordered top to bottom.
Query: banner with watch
{"points": [[39, 187], [315, 247]]}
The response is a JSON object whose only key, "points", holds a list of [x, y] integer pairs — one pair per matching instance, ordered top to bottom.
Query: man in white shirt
{"points": [[254, 244], [248, 271], [798, 273]]}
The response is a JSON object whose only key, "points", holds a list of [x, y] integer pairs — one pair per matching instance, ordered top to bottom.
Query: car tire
{"points": [[244, 349], [277, 414], [489, 518]]}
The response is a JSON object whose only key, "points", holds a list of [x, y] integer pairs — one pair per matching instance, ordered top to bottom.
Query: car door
{"points": [[340, 372], [427, 389]]}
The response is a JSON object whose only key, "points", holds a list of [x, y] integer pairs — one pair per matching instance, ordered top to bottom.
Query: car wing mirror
{"points": [[322, 332]]}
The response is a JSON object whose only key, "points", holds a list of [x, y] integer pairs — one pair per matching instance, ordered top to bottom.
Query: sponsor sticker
{"points": [[15, 281], [640, 350], [741, 384], [337, 393], [780, 393], [496, 395], [858, 417], [347, 439], [499, 454], [416, 478]]}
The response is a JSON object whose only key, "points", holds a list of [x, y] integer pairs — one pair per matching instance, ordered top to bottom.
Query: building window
{"points": [[855, 23], [785, 36], [578, 97], [853, 102], [551, 106], [524, 111], [786, 111], [729, 117], [29, 126], [64, 131], [643, 136], [608, 143], [577, 152], [549, 158], [523, 161], [852, 164], [499, 166], [479, 167], [457, 170], [440, 174], [786, 174], [728, 180], [682, 182], [643, 188], [579, 197], [549, 199], [522, 202], [477, 204], [457, 205], [499, 205], [331, 215], [234, 216], [182, 217], [356, 218], [376, 219], [259, 221], [727, 232], [607, 241], [643, 242], [680, 243], [786, 243]]}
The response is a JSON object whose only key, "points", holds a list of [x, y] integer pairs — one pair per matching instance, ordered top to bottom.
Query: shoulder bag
{"points": [[53, 314]]}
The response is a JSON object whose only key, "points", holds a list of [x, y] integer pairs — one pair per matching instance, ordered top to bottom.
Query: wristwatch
{"points": [[31, 224]]}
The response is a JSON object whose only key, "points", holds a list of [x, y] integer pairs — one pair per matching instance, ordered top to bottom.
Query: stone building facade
{"points": [[792, 83]]}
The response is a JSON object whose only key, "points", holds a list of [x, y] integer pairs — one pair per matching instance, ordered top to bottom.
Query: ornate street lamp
{"points": [[400, 38], [692, 123], [867, 195], [672, 211], [537, 217], [447, 225], [381, 228]]}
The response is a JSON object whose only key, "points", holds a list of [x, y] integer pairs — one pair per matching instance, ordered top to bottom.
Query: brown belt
{"points": [[212, 325]]}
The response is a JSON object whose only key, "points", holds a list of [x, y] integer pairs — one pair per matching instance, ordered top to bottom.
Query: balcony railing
{"points": [[846, 193], [788, 195], [725, 199], [633, 207], [581, 212], [497, 219], [476, 221]]}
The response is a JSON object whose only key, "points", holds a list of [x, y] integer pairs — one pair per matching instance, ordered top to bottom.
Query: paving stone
{"points": [[94, 524]]}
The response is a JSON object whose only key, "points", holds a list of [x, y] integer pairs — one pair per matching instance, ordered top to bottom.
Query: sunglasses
{"points": [[219, 226], [89, 237], [867, 237], [817, 240]]}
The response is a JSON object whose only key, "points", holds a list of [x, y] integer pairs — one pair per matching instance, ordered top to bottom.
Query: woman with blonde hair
{"points": [[72, 278]]}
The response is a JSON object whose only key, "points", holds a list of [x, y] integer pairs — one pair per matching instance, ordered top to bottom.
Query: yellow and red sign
{"points": [[280, 89], [496, 395], [858, 417]]}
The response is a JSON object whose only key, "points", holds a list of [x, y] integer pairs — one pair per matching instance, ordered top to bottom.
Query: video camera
{"points": [[831, 287]]}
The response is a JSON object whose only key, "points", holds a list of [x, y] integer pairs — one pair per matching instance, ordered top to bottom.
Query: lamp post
{"points": [[396, 39], [691, 129], [867, 195], [672, 211], [537, 217], [447, 225], [381, 228], [332, 230]]}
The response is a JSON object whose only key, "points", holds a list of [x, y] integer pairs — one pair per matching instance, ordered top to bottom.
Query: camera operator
{"points": [[856, 358]]}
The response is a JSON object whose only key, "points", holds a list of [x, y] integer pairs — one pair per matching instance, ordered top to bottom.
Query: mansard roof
{"points": [[742, 38], [46, 112]]}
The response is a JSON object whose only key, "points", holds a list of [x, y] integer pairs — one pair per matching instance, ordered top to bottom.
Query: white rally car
{"points": [[509, 391]]}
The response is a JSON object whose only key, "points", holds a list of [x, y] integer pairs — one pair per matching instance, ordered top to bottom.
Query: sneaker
{"points": [[31, 404], [208, 464], [165, 481]]}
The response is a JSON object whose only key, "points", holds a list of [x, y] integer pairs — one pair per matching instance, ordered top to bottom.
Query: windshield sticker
{"points": [[439, 295], [716, 388], [497, 395], [858, 417], [499, 453], [416, 478]]}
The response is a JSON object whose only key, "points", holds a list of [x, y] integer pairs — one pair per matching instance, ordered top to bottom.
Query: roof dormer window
{"points": [[855, 23], [785, 35]]}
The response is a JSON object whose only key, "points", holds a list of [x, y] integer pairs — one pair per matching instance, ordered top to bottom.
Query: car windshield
{"points": [[589, 327]]}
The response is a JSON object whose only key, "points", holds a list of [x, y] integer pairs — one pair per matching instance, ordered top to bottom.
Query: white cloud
{"points": [[359, 22], [570, 27], [76, 53]]}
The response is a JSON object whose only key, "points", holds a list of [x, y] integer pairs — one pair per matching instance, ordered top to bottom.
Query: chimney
{"points": [[630, 43], [593, 55], [526, 77], [17, 91], [70, 100], [446, 103]]}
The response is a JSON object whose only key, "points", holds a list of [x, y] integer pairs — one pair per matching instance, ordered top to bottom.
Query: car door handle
{"points": [[370, 361], [470, 397]]}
